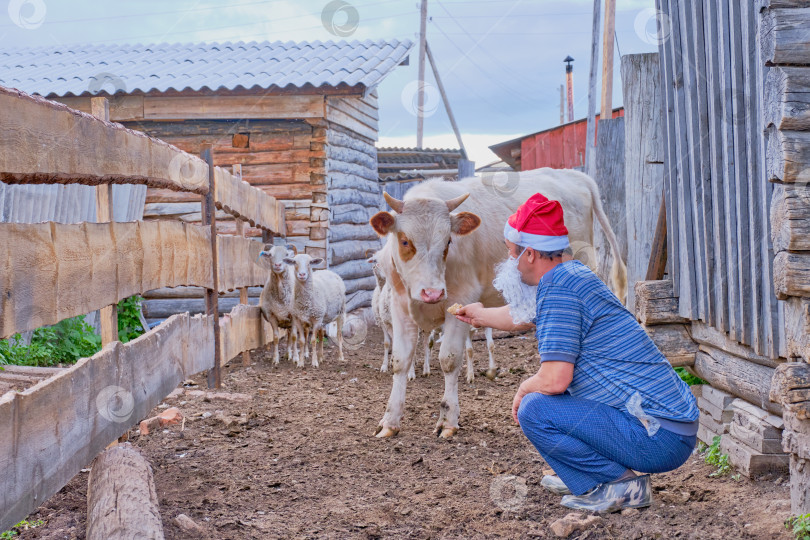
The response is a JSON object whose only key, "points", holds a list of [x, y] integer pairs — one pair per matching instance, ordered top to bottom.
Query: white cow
{"points": [[444, 257]]}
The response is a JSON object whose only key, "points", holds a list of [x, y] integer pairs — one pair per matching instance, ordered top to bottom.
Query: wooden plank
{"points": [[230, 107], [122, 108], [349, 122], [716, 128], [33, 147], [788, 153], [670, 159], [700, 166], [644, 171], [729, 173], [610, 178], [242, 200], [43, 262], [239, 268], [688, 286], [212, 293], [243, 329], [704, 334], [674, 342], [737, 376], [99, 399], [750, 462]]}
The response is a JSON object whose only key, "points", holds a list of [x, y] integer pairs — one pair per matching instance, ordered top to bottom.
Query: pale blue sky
{"points": [[500, 60]]}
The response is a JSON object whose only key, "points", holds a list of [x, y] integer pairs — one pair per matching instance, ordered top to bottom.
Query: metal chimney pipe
{"points": [[569, 80]]}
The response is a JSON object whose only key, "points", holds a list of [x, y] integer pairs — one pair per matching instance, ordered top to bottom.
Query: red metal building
{"points": [[560, 147]]}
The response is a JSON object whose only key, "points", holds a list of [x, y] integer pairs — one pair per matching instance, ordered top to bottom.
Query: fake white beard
{"points": [[522, 298]]}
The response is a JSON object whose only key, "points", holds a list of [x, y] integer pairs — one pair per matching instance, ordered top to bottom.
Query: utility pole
{"points": [[607, 60], [569, 81], [420, 110], [590, 153]]}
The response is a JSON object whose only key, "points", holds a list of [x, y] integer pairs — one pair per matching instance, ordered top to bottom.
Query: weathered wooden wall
{"points": [[784, 43], [643, 160], [609, 176], [716, 189], [354, 193]]}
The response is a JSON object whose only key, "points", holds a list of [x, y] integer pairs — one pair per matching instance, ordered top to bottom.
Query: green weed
{"points": [[69, 340], [687, 377], [713, 456], [799, 526]]}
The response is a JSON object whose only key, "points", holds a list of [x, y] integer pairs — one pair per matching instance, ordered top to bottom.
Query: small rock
{"points": [[480, 392], [206, 414], [168, 417], [630, 512], [190, 526], [564, 527]]}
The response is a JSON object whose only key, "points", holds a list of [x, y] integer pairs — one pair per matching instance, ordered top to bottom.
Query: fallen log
{"points": [[121, 498]]}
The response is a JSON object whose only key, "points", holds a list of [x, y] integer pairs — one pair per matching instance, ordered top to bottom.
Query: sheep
{"points": [[320, 298], [276, 300], [381, 307], [492, 369]]}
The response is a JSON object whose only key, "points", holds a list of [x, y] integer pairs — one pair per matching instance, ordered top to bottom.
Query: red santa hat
{"points": [[538, 224]]}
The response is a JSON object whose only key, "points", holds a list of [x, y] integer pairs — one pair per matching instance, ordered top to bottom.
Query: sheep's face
{"points": [[273, 258], [303, 264], [377, 269]]}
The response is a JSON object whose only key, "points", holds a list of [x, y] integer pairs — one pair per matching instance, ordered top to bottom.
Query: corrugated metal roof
{"points": [[73, 70], [392, 160]]}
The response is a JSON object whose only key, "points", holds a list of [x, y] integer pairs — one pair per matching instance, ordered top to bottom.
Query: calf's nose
{"points": [[431, 296]]}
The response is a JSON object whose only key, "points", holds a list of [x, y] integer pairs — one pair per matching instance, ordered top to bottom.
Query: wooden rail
{"points": [[52, 271]]}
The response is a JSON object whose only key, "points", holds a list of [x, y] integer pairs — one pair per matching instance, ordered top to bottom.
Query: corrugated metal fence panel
{"points": [[716, 187], [66, 203]]}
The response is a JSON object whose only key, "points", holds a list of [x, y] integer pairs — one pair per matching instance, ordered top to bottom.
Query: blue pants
{"points": [[588, 443]]}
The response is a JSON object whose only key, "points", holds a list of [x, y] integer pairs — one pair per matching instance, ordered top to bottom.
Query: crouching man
{"points": [[605, 401]]}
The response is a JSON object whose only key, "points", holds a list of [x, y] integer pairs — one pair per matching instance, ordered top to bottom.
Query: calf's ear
{"points": [[464, 222], [383, 223], [316, 261]]}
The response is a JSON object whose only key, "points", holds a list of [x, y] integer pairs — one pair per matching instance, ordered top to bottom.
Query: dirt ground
{"points": [[298, 460]]}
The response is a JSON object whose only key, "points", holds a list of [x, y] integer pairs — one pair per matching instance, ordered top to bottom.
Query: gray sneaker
{"points": [[555, 485], [613, 496]]}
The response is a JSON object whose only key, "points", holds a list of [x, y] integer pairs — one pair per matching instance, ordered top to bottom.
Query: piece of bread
{"points": [[454, 308]]}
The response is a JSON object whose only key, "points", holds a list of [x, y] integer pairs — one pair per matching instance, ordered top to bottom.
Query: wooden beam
{"points": [[607, 60], [444, 98], [233, 107], [420, 108], [590, 132], [37, 135], [241, 200], [209, 219], [41, 263], [243, 291], [654, 306], [108, 315], [675, 343], [737, 376], [62, 423], [121, 496]]}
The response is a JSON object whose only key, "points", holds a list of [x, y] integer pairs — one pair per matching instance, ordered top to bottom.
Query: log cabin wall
{"points": [[280, 157], [354, 193]]}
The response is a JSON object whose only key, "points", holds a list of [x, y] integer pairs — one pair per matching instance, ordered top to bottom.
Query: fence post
{"points": [[209, 217], [243, 291], [108, 316]]}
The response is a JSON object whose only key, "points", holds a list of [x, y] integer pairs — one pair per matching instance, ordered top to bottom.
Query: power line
{"points": [[242, 25]]}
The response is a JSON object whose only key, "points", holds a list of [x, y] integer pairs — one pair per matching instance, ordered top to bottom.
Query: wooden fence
{"points": [[717, 193], [56, 427]]}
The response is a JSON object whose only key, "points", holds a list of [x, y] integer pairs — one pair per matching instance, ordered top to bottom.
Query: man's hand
{"points": [[472, 314], [521, 393]]}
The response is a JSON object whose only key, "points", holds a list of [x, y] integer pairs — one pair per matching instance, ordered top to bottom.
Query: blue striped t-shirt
{"points": [[579, 320]]}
